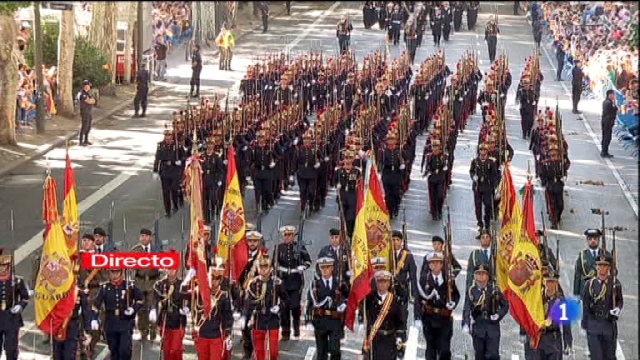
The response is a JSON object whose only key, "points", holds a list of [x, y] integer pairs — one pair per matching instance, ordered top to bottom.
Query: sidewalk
{"points": [[60, 129]]}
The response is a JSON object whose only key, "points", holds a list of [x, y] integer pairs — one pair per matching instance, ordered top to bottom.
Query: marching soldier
{"points": [[458, 9], [369, 14], [472, 14], [447, 20], [421, 23], [436, 26], [491, 32], [343, 33], [410, 39], [196, 69], [143, 79], [526, 98], [263, 158], [307, 163], [168, 167], [392, 167], [436, 169], [213, 174], [485, 175], [554, 175], [348, 177], [437, 243], [337, 251], [479, 256], [292, 259], [585, 268], [404, 272], [248, 273], [145, 280], [328, 296], [265, 297], [438, 297], [14, 298], [121, 300], [602, 302], [486, 306], [168, 311], [386, 327], [214, 330], [65, 348]]}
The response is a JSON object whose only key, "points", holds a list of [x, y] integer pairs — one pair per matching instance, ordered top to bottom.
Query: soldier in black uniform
{"points": [[458, 9], [264, 13], [369, 14], [472, 14], [447, 20], [395, 24], [421, 24], [436, 26], [491, 32], [343, 33], [410, 39], [558, 45], [196, 69], [577, 77], [143, 79], [527, 100], [87, 102], [263, 160], [307, 163], [168, 167], [392, 168], [436, 170], [485, 175], [554, 175], [213, 177], [348, 177], [437, 243], [340, 254], [479, 256], [292, 259], [585, 267], [404, 272], [248, 273], [328, 296], [438, 297], [14, 298], [121, 300], [602, 301], [486, 304], [168, 310], [386, 327], [67, 347]]}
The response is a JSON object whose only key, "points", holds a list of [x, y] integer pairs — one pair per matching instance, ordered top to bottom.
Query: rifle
{"points": [[602, 213], [156, 238], [110, 241], [545, 244], [448, 255], [614, 266], [494, 267]]}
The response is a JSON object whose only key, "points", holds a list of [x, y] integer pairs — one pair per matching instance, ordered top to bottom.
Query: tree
{"points": [[132, 9], [208, 23], [104, 32], [65, 66], [8, 70]]}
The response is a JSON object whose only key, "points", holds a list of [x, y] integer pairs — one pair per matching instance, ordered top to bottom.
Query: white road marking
{"points": [[309, 29], [11, 151], [411, 349], [311, 353], [515, 357]]}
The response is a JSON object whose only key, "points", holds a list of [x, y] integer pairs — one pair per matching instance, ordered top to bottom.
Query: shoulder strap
{"points": [[381, 316]]}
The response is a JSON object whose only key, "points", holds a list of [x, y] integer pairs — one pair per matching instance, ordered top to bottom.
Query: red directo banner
{"points": [[131, 260]]}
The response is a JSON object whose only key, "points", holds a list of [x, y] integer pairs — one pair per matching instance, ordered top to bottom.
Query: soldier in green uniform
{"points": [[586, 262], [145, 280]]}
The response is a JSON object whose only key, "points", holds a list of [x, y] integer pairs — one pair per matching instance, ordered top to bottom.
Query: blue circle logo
{"points": [[565, 311]]}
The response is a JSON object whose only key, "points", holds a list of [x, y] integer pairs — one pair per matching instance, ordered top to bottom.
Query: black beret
{"points": [[99, 231], [145, 231], [334, 232], [397, 234], [437, 239]]}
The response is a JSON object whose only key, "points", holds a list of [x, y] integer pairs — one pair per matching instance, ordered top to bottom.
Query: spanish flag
{"points": [[70, 209], [511, 215], [376, 219], [232, 244], [197, 251], [360, 264], [525, 275], [55, 288]]}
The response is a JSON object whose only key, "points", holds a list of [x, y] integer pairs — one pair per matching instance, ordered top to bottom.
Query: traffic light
{"points": [[57, 5]]}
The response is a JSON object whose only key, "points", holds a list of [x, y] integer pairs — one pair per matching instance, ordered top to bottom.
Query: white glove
{"points": [[313, 98], [277, 102], [295, 141], [244, 148], [360, 153], [326, 158], [178, 162], [225, 162], [272, 165], [316, 165], [402, 166], [445, 168], [155, 176], [475, 177], [248, 178], [291, 179], [564, 179], [219, 183], [339, 186], [301, 268], [349, 273], [190, 274], [31, 293], [434, 293], [451, 305], [342, 308], [16, 309], [275, 309], [129, 311], [184, 311], [614, 311], [153, 316], [236, 316], [494, 317], [243, 322], [418, 324], [95, 326], [308, 327], [465, 329], [583, 332], [87, 340], [398, 341], [228, 344]]}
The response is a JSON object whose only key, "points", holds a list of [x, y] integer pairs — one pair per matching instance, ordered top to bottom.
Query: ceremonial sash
{"points": [[400, 263], [381, 316]]}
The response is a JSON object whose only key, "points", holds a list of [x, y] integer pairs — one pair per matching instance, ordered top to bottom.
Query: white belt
{"points": [[287, 270]]}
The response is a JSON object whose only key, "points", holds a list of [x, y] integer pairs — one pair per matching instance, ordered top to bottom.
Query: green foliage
{"points": [[8, 8], [50, 34], [634, 42], [88, 62]]}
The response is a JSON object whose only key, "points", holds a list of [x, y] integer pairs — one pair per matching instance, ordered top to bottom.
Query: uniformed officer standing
{"points": [[458, 9], [264, 13], [472, 14], [447, 20], [395, 25], [436, 27], [491, 32], [343, 33], [410, 39], [560, 57], [196, 69], [577, 77], [143, 79], [87, 102], [262, 156], [307, 163], [168, 167], [392, 167], [436, 171], [213, 174], [485, 175], [554, 175], [348, 177], [340, 254], [479, 256], [292, 259], [585, 267], [248, 273], [145, 279], [265, 297], [438, 297], [14, 298], [121, 300], [602, 302], [487, 306], [326, 309], [168, 311], [386, 327], [65, 348]]}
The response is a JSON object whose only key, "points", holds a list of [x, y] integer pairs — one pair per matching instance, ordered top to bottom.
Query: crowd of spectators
{"points": [[172, 20]]}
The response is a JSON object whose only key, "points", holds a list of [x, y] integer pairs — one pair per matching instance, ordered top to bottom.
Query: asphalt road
{"points": [[117, 169]]}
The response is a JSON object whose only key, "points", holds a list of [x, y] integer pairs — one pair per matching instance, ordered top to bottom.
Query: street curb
{"points": [[44, 149]]}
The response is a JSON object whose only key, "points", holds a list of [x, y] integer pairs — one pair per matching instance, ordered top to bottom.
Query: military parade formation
{"points": [[314, 122]]}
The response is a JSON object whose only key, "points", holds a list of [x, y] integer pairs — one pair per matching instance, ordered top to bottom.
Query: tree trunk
{"points": [[132, 12], [231, 13], [208, 23], [96, 29], [109, 45], [65, 67], [8, 80]]}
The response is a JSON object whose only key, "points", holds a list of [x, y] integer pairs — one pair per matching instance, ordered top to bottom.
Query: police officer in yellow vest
{"points": [[225, 42]]}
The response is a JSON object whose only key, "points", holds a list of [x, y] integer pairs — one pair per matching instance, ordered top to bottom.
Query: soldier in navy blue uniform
{"points": [[458, 9], [472, 14], [447, 20], [395, 24], [436, 26], [491, 32], [196, 69], [142, 90], [526, 98], [86, 102], [263, 160], [307, 163], [168, 167], [436, 168], [392, 170], [485, 175], [213, 176], [553, 176], [348, 177], [437, 243], [340, 254], [479, 256], [290, 263], [585, 267], [248, 273], [405, 279], [328, 296], [438, 297], [14, 298], [121, 300], [602, 302], [487, 306], [168, 310], [386, 327], [65, 348]]}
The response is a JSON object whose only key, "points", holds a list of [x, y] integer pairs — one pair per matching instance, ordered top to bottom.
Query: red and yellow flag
{"points": [[70, 215], [511, 215], [376, 219], [197, 245], [232, 245], [360, 264], [525, 275], [55, 288]]}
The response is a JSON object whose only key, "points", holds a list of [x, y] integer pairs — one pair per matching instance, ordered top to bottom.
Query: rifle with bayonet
{"points": [[110, 241], [448, 255]]}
